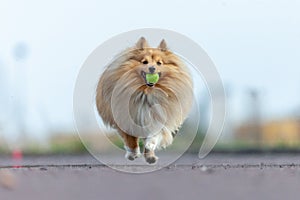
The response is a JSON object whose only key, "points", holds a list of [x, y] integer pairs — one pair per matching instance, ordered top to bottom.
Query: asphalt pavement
{"points": [[218, 176]]}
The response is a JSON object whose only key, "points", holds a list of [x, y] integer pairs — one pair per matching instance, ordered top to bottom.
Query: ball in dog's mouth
{"points": [[150, 78]]}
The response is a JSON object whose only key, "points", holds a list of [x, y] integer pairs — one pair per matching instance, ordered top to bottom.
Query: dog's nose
{"points": [[152, 69]]}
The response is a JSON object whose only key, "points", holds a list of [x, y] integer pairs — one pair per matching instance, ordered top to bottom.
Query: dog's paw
{"points": [[132, 156], [150, 156], [151, 159]]}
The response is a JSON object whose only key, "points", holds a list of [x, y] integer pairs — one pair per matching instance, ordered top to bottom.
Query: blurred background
{"points": [[254, 44]]}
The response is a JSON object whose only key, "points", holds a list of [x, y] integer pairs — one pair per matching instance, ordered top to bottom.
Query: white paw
{"points": [[132, 156], [151, 159]]}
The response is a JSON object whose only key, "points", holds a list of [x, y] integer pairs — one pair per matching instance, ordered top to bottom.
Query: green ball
{"points": [[152, 78]]}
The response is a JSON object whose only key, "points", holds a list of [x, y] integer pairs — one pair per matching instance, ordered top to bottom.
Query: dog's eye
{"points": [[145, 62], [158, 63]]}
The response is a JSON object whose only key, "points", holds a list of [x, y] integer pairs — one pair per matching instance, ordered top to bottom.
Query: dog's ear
{"points": [[142, 43], [163, 45]]}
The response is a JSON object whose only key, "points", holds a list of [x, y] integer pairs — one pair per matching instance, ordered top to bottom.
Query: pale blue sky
{"points": [[254, 44]]}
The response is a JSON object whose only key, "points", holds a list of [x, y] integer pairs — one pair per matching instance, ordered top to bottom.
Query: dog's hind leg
{"points": [[166, 139], [131, 145]]}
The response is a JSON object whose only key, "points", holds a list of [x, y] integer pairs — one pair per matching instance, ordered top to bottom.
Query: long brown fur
{"points": [[168, 102]]}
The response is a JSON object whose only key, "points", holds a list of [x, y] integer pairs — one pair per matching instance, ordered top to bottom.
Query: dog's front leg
{"points": [[151, 144], [131, 145]]}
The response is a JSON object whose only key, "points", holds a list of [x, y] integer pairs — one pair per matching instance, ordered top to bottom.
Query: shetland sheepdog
{"points": [[138, 107]]}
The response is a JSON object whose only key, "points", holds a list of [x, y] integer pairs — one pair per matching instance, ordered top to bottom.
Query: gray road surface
{"points": [[219, 176]]}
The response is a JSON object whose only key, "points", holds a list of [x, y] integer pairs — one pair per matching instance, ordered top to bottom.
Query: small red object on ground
{"points": [[17, 154], [17, 157]]}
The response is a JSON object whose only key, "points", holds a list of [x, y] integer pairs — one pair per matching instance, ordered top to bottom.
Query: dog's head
{"points": [[159, 63]]}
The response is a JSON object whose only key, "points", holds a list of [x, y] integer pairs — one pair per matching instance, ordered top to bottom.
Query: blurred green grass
{"points": [[70, 143]]}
